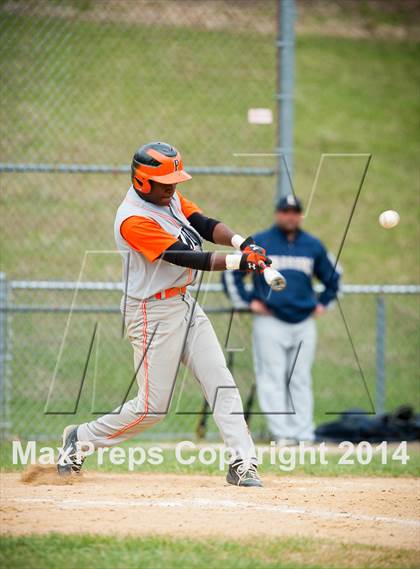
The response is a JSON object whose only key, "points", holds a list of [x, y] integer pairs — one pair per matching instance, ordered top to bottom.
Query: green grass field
{"points": [[109, 552]]}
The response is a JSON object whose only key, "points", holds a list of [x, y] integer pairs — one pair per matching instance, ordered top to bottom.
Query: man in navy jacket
{"points": [[284, 332]]}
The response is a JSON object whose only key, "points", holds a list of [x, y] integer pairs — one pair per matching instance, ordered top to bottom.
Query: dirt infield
{"points": [[374, 511]]}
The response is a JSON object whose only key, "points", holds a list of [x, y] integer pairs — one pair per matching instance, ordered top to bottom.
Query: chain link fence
{"points": [[83, 84], [377, 370]]}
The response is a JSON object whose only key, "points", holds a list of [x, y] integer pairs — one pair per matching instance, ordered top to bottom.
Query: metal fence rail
{"points": [[124, 169], [209, 287]]}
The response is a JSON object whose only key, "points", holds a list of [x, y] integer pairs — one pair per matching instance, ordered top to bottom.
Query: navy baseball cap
{"points": [[289, 202]]}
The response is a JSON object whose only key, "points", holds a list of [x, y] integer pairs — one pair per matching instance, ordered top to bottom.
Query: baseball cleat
{"points": [[70, 458], [243, 473]]}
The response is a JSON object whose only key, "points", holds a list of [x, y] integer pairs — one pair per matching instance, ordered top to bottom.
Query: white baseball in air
{"points": [[389, 218]]}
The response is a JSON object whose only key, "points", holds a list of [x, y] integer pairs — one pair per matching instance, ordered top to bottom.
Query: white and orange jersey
{"points": [[143, 231]]}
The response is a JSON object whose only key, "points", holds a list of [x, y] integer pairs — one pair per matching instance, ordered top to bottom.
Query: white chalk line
{"points": [[202, 503]]}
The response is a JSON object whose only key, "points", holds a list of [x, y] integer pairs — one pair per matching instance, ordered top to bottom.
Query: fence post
{"points": [[285, 81], [380, 353], [3, 356]]}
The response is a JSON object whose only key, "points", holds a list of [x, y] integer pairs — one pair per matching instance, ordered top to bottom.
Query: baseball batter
{"points": [[159, 234]]}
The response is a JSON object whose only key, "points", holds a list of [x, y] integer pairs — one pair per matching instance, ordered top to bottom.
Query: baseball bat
{"points": [[274, 279]]}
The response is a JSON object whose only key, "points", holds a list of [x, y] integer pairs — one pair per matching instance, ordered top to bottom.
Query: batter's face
{"points": [[160, 194], [289, 220]]}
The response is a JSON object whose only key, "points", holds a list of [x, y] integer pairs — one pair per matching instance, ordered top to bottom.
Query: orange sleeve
{"points": [[188, 207], [146, 236]]}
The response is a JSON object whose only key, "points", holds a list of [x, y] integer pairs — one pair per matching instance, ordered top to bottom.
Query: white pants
{"points": [[158, 330], [283, 357]]}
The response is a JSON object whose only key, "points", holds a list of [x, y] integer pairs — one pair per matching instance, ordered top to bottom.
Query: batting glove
{"points": [[249, 246], [251, 261]]}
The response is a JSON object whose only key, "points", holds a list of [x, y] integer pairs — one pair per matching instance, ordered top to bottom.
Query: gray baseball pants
{"points": [[157, 330], [283, 358]]}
